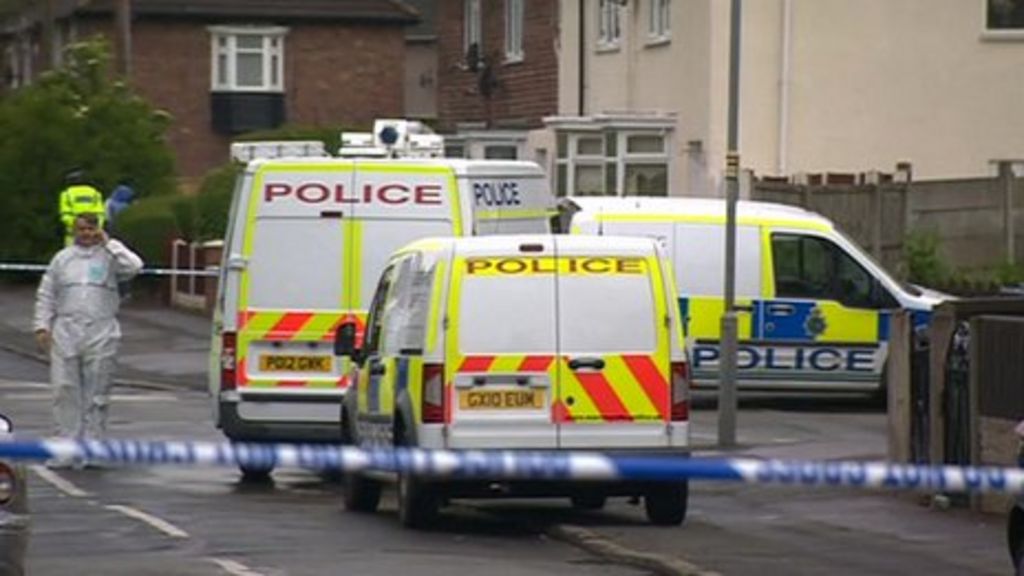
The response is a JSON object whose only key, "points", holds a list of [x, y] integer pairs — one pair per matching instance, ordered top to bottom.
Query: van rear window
{"points": [[296, 264], [606, 313], [507, 315]]}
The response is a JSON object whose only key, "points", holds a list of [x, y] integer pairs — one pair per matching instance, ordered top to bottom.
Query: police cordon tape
{"points": [[21, 267], [522, 465]]}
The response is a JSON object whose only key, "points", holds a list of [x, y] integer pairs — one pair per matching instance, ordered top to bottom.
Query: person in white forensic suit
{"points": [[76, 322]]}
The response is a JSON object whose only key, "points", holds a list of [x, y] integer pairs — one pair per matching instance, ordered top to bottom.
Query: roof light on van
{"points": [[388, 136], [393, 138], [531, 247]]}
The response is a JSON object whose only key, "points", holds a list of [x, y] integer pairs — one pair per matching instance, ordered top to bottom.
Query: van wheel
{"points": [[255, 474], [361, 494], [417, 499], [588, 501], [417, 502], [665, 504]]}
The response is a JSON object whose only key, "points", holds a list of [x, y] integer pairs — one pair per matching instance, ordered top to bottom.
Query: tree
{"points": [[76, 117]]}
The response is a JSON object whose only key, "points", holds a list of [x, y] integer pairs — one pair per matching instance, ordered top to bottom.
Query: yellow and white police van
{"points": [[306, 241], [816, 308], [520, 342]]}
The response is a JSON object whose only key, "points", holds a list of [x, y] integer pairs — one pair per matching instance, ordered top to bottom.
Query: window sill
{"points": [[1002, 36], [657, 41], [608, 48], [513, 60], [246, 90]]}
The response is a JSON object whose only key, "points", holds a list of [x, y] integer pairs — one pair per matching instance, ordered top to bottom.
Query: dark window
{"points": [[1005, 14], [501, 152], [815, 268], [375, 318]]}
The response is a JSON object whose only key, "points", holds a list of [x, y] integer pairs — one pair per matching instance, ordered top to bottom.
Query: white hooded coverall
{"points": [[77, 301]]}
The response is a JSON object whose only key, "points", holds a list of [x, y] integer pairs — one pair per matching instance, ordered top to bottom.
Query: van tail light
{"points": [[228, 360], [680, 391], [433, 394], [8, 484]]}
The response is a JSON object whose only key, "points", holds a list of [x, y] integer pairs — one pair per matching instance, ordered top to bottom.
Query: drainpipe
{"points": [[581, 105], [782, 164]]}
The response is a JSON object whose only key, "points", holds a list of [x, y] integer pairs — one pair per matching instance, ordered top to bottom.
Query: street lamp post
{"points": [[727, 359]]}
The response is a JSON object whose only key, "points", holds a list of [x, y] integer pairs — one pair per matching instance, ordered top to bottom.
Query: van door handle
{"points": [[781, 309], [593, 363], [377, 368]]}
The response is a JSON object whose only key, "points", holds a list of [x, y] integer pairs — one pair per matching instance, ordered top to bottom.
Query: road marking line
{"points": [[24, 384], [113, 398], [57, 482], [161, 525], [234, 568]]}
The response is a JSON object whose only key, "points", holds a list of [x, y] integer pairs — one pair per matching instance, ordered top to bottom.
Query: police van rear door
{"points": [[293, 287], [614, 334], [501, 345]]}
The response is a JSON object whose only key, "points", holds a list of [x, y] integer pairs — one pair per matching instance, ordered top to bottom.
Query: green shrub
{"points": [[330, 136], [214, 201], [149, 225], [924, 264]]}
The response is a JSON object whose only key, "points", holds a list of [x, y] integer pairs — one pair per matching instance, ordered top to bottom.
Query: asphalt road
{"points": [[205, 521]]}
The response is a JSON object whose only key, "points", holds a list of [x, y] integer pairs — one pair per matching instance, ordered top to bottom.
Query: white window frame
{"points": [[659, 21], [609, 24], [472, 27], [514, 30], [998, 34], [272, 52], [620, 161]]}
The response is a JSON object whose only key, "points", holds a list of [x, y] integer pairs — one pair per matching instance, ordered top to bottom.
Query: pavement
{"points": [[160, 346]]}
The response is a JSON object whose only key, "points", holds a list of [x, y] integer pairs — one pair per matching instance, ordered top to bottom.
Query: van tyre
{"points": [[361, 494], [417, 502], [665, 504]]}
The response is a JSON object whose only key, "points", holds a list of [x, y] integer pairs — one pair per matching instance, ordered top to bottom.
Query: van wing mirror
{"points": [[345, 340]]}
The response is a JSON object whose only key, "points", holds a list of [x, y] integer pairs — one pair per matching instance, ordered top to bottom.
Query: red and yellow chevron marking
{"points": [[293, 325], [296, 325], [630, 388]]}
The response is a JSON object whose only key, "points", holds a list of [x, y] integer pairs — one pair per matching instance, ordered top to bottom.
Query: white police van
{"points": [[306, 242], [815, 307]]}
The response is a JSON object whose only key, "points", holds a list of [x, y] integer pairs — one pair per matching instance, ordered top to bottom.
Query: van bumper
{"points": [[234, 423]]}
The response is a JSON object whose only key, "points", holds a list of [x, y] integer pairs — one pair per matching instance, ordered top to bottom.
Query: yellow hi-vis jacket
{"points": [[75, 200]]}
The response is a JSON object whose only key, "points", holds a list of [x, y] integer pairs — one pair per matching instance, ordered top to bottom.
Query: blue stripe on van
{"points": [[684, 314], [883, 325], [790, 327], [402, 378]]}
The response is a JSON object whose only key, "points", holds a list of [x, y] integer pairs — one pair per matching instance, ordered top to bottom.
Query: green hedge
{"points": [[330, 136], [214, 201], [149, 225]]}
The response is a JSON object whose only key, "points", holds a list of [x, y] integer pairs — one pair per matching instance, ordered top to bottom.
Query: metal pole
{"points": [[123, 9], [727, 362]]}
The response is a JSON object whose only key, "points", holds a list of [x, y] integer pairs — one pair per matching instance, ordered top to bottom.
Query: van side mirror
{"points": [[345, 341]]}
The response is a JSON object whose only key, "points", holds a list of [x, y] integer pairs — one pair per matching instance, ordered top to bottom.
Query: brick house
{"points": [[224, 67], [497, 74]]}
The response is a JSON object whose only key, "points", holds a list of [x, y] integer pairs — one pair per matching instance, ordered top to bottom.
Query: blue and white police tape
{"points": [[21, 267], [522, 465]]}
